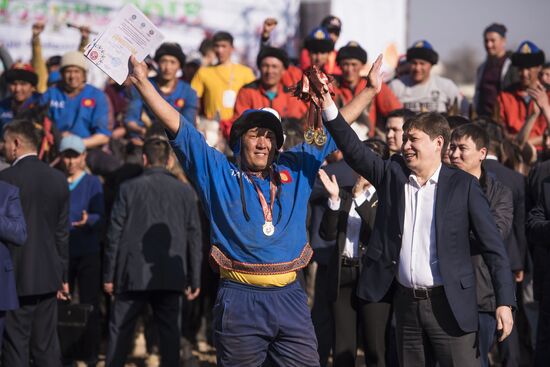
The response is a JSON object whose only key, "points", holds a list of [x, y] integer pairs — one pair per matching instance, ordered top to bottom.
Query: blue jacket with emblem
{"points": [[238, 244]]}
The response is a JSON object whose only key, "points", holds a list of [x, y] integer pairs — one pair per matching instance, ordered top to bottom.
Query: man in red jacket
{"points": [[351, 59], [524, 107]]}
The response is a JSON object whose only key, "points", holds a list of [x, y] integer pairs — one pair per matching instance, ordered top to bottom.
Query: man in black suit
{"points": [[350, 221], [538, 229], [13, 230], [516, 241], [419, 247], [153, 255], [41, 263], [321, 314]]}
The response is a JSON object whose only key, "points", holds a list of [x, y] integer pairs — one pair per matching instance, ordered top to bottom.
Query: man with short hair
{"points": [[170, 59], [351, 59], [496, 73], [22, 81], [217, 85], [268, 90], [420, 91], [527, 98], [394, 128], [468, 149], [153, 254], [40, 265], [428, 270]]}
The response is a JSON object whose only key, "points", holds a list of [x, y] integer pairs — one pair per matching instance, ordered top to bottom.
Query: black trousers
{"points": [[85, 271], [127, 308], [321, 315], [354, 317], [31, 331], [427, 332]]}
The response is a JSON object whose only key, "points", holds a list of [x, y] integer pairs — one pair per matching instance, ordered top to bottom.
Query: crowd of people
{"points": [[413, 229]]}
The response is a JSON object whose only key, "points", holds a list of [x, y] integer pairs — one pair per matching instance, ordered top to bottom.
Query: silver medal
{"points": [[268, 228]]}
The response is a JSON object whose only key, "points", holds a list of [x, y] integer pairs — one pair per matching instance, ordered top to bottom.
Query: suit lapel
{"points": [[442, 197]]}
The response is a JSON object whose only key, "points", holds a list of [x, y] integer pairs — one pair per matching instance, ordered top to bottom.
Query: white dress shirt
{"points": [[353, 228], [418, 260]]}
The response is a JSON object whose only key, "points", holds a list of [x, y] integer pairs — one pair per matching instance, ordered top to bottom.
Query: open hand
{"points": [[375, 75], [330, 184]]}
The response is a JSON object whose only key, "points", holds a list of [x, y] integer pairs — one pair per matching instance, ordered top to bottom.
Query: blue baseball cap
{"points": [[72, 142]]}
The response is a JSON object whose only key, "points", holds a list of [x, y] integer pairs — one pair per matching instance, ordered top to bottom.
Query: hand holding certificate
{"points": [[130, 33]]}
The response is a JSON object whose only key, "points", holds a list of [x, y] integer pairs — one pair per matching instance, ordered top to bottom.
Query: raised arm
{"points": [[353, 109], [166, 114]]}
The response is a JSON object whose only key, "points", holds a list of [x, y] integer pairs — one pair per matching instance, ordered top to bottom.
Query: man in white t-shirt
{"points": [[421, 92]]}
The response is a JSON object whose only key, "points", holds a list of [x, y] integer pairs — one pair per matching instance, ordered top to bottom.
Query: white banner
{"points": [[187, 22]]}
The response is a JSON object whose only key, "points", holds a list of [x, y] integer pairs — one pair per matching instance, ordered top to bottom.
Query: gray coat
{"points": [[154, 238]]}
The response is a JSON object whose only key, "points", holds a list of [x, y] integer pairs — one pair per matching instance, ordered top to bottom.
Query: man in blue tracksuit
{"points": [[179, 94], [257, 209]]}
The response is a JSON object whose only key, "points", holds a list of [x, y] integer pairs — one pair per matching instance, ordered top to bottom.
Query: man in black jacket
{"points": [[468, 149], [350, 222], [538, 229], [419, 249], [153, 254], [41, 263]]}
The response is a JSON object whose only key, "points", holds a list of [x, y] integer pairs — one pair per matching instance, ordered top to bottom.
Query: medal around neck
{"points": [[268, 228]]}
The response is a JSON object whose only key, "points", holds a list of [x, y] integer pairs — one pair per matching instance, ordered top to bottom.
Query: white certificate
{"points": [[130, 33]]}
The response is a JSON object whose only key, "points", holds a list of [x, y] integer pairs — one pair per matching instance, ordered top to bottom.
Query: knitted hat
{"points": [[332, 24], [497, 28], [319, 41], [170, 49], [422, 50], [352, 51], [273, 52], [528, 55], [74, 58], [22, 72], [266, 117]]}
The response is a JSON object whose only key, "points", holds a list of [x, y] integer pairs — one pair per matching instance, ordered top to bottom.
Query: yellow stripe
{"points": [[276, 280]]}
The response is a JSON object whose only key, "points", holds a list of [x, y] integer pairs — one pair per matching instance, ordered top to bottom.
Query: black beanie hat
{"points": [[319, 41], [171, 49], [422, 50], [352, 51], [275, 52], [528, 55], [22, 72]]}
